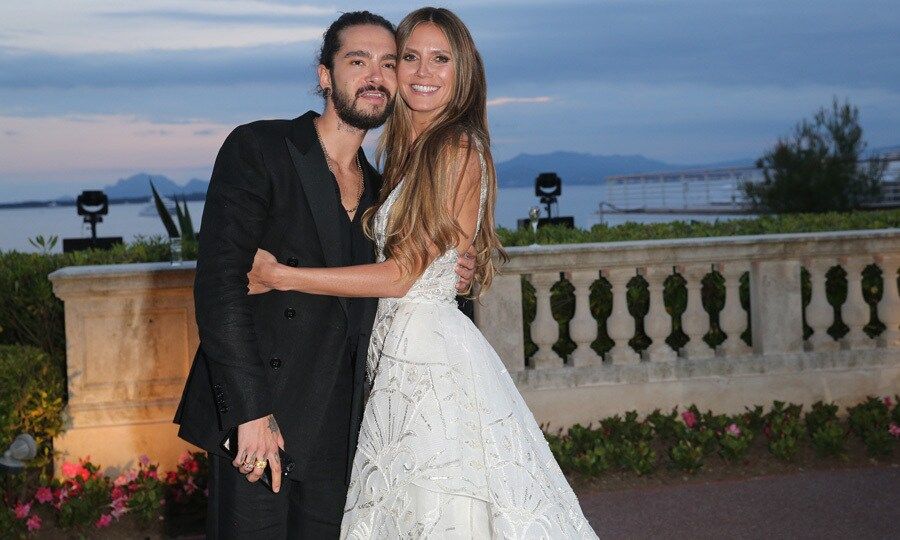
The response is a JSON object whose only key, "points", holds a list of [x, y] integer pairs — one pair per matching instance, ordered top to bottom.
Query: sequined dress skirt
{"points": [[448, 448]]}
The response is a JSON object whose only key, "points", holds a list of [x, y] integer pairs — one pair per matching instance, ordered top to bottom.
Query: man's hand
{"points": [[465, 269], [261, 276], [258, 443]]}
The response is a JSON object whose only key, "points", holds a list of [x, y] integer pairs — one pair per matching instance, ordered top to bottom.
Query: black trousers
{"points": [[311, 508]]}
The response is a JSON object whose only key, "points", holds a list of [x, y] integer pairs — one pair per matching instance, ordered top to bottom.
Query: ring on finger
{"points": [[260, 464]]}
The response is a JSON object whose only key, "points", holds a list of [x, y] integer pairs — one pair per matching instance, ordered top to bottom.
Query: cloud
{"points": [[108, 26], [501, 101], [54, 146]]}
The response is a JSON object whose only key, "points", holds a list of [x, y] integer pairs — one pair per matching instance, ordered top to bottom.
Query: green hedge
{"points": [[791, 223], [31, 315], [31, 398]]}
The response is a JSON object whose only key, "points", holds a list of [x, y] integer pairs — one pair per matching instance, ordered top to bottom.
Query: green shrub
{"points": [[31, 315], [31, 399], [871, 421], [784, 430], [825, 432], [734, 440], [687, 455]]}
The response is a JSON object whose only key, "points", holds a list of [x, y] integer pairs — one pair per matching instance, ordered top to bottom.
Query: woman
{"points": [[447, 447]]}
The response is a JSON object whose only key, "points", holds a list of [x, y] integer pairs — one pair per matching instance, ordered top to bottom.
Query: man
{"points": [[286, 369]]}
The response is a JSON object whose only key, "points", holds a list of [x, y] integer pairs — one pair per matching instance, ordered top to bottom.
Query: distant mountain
{"points": [[572, 167], [576, 168], [138, 185], [195, 185]]}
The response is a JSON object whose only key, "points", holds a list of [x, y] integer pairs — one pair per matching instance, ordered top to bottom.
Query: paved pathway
{"points": [[853, 503]]}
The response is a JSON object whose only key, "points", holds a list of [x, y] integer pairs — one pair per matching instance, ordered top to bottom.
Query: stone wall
{"points": [[131, 336]]}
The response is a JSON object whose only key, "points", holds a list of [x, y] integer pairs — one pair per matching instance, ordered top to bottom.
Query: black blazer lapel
{"points": [[323, 203]]}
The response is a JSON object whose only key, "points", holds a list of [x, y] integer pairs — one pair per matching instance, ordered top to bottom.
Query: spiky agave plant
{"points": [[181, 213]]}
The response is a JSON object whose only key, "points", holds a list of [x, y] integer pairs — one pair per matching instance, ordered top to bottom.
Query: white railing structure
{"points": [[130, 336], [780, 364]]}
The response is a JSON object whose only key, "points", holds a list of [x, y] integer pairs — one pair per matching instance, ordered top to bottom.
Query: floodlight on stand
{"points": [[548, 186], [92, 204], [22, 449]]}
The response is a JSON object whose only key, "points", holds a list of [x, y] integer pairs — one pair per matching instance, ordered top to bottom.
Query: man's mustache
{"points": [[372, 87]]}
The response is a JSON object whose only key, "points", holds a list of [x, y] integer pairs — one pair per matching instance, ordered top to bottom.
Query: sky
{"points": [[95, 90]]}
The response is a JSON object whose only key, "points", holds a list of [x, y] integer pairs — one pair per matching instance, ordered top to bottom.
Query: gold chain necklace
{"points": [[329, 160]]}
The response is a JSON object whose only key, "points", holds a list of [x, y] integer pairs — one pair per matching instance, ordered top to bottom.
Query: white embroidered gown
{"points": [[447, 447]]}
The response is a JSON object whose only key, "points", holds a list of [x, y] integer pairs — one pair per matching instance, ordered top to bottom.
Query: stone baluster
{"points": [[776, 306], [889, 306], [855, 311], [819, 313], [499, 317], [733, 318], [695, 319], [657, 323], [620, 325], [583, 326], [544, 328]]}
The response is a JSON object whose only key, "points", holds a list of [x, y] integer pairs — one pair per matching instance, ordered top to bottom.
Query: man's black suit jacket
{"points": [[275, 353]]}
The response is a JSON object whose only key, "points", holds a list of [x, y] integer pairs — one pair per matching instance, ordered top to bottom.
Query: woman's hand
{"points": [[263, 276]]}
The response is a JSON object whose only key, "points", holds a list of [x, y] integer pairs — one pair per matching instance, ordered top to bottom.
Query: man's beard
{"points": [[347, 111]]}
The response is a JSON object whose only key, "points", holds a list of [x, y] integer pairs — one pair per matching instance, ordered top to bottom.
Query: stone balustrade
{"points": [[131, 335], [779, 363]]}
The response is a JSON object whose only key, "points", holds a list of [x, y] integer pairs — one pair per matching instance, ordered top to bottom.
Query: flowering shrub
{"points": [[875, 423], [784, 430], [825, 433], [734, 440], [186, 487], [85, 500]]}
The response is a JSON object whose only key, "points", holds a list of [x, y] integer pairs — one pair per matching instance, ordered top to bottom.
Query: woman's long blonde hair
{"points": [[419, 217]]}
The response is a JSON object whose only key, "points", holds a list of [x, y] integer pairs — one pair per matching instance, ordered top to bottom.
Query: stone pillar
{"points": [[776, 306], [889, 306], [855, 311], [819, 313], [498, 315], [733, 318], [695, 319], [658, 323], [620, 324], [583, 326], [544, 328], [130, 337]]}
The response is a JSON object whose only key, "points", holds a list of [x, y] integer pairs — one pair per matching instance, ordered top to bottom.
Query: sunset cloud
{"points": [[108, 26], [501, 101], [49, 146]]}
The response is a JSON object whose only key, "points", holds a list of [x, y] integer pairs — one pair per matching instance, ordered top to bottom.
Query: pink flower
{"points": [[888, 402], [690, 420], [894, 429], [734, 430], [184, 458], [144, 459], [70, 470], [152, 474], [190, 486], [117, 492], [43, 495], [61, 495], [119, 506], [22, 510], [104, 521], [33, 523]]}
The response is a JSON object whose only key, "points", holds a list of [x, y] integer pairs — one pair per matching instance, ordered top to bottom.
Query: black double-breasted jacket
{"points": [[279, 352]]}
